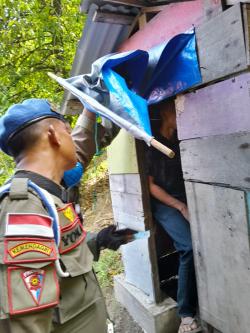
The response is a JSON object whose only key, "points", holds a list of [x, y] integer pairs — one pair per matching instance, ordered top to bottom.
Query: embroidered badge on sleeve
{"points": [[68, 213], [29, 225], [29, 247], [34, 281]]}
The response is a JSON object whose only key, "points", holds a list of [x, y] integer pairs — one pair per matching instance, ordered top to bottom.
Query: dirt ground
{"points": [[123, 322]]}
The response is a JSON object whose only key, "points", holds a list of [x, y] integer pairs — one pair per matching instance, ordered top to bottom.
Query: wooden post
{"points": [[212, 8], [142, 20]]}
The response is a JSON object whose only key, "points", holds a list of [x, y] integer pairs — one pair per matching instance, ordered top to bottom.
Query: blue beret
{"points": [[19, 116]]}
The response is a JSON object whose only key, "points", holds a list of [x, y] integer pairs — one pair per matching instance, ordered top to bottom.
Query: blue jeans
{"points": [[178, 229]]}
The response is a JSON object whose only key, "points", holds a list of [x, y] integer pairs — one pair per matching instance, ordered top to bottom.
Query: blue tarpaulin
{"points": [[174, 68], [126, 83]]}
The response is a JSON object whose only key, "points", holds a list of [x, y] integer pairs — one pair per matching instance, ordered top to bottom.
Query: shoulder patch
{"points": [[69, 212], [29, 225], [29, 247], [21, 250], [34, 282]]}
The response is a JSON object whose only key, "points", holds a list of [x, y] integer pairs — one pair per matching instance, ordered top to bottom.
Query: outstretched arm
{"points": [[83, 135], [167, 199], [109, 238]]}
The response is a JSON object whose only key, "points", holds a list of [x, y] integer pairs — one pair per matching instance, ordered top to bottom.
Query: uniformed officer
{"points": [[46, 279]]}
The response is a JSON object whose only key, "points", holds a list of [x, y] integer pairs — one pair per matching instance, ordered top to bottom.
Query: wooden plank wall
{"points": [[234, 2], [212, 8], [222, 53], [229, 56], [219, 109], [214, 128], [223, 159], [128, 188], [126, 200], [127, 204], [220, 229]]}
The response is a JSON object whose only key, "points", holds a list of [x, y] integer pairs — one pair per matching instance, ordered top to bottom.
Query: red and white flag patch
{"points": [[29, 225], [34, 282]]}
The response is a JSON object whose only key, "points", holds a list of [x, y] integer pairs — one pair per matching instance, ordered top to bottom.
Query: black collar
{"points": [[44, 183]]}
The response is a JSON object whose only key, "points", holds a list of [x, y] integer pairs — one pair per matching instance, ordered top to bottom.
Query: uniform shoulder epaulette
{"points": [[19, 189]]}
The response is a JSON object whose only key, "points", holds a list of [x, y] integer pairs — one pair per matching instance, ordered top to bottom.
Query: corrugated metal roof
{"points": [[98, 39]]}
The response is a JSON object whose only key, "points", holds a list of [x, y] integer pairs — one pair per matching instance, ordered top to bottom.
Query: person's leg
{"points": [[178, 229]]}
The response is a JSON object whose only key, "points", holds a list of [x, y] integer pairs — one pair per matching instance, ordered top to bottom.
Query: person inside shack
{"points": [[169, 208]]}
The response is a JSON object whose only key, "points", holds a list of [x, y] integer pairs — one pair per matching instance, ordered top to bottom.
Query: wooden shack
{"points": [[214, 128]]}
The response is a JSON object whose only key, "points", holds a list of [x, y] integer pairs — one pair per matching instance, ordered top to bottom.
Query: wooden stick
{"points": [[144, 136], [164, 149]]}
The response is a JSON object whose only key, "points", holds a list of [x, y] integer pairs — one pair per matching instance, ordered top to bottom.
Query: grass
{"points": [[110, 263], [108, 266]]}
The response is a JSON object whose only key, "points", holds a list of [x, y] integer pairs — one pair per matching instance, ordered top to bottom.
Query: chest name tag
{"points": [[72, 236], [28, 247]]}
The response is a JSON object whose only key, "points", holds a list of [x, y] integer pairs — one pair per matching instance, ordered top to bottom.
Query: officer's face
{"points": [[67, 147]]}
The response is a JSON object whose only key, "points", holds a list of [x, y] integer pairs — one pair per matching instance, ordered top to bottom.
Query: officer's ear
{"points": [[53, 136]]}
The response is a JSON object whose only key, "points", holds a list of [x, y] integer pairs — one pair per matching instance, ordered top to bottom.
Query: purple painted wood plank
{"points": [[222, 108]]}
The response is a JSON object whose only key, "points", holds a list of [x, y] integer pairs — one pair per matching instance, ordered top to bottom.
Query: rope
{"points": [[98, 152]]}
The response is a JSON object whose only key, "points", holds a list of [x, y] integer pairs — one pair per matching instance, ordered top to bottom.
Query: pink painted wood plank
{"points": [[174, 19], [222, 108]]}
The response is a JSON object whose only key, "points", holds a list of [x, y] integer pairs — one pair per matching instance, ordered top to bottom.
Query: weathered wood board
{"points": [[234, 2], [212, 8], [113, 18], [221, 45], [222, 108], [218, 159], [129, 183], [127, 203], [128, 210], [220, 231], [137, 265]]}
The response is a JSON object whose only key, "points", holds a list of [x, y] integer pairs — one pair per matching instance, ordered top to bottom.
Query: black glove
{"points": [[111, 238]]}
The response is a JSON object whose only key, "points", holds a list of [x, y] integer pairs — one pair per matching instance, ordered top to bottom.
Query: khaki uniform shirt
{"points": [[28, 280]]}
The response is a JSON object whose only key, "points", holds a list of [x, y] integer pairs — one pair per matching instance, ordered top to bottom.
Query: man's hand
{"points": [[183, 209], [112, 239]]}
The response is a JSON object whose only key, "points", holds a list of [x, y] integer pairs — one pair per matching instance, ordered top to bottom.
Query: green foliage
{"points": [[37, 36], [6, 167], [97, 169], [108, 266]]}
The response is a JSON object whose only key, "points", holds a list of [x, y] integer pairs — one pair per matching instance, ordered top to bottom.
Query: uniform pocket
{"points": [[31, 289], [77, 294]]}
